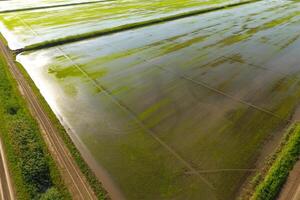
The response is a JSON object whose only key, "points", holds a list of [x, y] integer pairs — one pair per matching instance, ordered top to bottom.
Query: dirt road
{"points": [[73, 177], [6, 189], [291, 189]]}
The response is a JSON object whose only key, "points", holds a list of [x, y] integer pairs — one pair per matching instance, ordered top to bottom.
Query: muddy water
{"points": [[159, 106]]}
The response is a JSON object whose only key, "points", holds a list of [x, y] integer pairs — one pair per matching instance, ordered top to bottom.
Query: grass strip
{"points": [[89, 35], [85, 169], [34, 173], [269, 184]]}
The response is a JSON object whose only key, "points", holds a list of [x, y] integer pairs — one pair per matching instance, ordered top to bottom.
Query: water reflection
{"points": [[38, 26], [159, 106]]}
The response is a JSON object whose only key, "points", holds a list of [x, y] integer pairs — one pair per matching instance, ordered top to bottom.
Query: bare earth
{"points": [[73, 177]]}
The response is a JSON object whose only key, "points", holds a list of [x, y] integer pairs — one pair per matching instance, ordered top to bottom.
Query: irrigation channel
{"points": [[185, 109]]}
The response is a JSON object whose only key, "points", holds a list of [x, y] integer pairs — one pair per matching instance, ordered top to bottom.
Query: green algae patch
{"points": [[249, 32], [185, 44], [62, 73], [152, 109]]}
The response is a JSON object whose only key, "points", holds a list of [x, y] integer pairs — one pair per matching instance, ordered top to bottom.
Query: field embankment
{"points": [[130, 25], [85, 169], [34, 173], [76, 182], [269, 183]]}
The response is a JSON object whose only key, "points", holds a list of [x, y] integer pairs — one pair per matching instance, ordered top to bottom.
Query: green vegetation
{"points": [[19, 9], [126, 15], [107, 31], [169, 106], [204, 127], [85, 169], [33, 171], [90, 176], [270, 183], [51, 194]]}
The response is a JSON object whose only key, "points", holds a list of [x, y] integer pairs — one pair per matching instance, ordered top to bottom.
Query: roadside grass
{"points": [[93, 34], [85, 169], [34, 173], [268, 183]]}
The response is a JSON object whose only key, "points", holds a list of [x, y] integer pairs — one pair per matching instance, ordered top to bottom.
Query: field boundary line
{"points": [[25, 23], [261, 68], [203, 84], [125, 108], [141, 124], [223, 170]]}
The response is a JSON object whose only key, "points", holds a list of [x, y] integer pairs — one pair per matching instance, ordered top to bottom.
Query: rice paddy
{"points": [[18, 5], [39, 26], [184, 109]]}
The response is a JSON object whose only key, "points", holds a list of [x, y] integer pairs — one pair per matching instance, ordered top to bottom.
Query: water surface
{"points": [[27, 28], [175, 110]]}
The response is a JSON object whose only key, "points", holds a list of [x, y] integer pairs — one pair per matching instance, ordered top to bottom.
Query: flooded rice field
{"points": [[15, 5], [37, 26], [177, 110]]}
